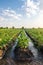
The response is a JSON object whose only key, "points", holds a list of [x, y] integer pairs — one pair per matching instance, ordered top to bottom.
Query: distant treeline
{"points": [[7, 27], [21, 27]]}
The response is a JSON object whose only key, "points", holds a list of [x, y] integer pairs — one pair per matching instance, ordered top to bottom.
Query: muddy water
{"points": [[36, 53], [9, 57]]}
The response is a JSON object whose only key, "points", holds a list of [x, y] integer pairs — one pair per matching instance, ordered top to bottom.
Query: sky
{"points": [[18, 13]]}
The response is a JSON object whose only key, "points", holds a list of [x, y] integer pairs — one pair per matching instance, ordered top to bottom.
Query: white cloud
{"points": [[41, 4], [32, 8], [11, 14], [9, 17], [2, 18], [39, 19], [35, 22]]}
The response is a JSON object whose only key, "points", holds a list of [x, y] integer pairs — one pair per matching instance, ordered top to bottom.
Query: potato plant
{"points": [[36, 34], [6, 35], [22, 40]]}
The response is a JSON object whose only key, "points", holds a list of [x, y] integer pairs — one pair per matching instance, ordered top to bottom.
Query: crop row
{"points": [[36, 34], [6, 36], [23, 40]]}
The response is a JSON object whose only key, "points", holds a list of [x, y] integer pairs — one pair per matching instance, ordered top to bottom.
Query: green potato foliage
{"points": [[36, 34], [7, 35], [22, 40]]}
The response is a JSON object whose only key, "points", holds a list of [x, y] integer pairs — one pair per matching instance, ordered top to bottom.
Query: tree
{"points": [[13, 27]]}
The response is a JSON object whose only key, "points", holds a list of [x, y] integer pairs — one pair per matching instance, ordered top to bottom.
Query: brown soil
{"points": [[1, 52], [22, 54], [9, 61]]}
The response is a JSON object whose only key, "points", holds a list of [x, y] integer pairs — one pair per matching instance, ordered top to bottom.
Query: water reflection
{"points": [[33, 49], [36, 53], [12, 55]]}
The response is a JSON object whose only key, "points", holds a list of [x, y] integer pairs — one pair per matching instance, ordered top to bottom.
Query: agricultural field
{"points": [[36, 34], [6, 35], [15, 41]]}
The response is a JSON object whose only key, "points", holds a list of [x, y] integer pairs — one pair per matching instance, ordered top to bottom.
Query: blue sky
{"points": [[14, 4], [18, 13]]}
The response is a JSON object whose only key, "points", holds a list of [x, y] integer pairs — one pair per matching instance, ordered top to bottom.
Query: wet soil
{"points": [[23, 54], [9, 61]]}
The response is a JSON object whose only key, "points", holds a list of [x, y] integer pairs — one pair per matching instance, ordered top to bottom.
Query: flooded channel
{"points": [[9, 57]]}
